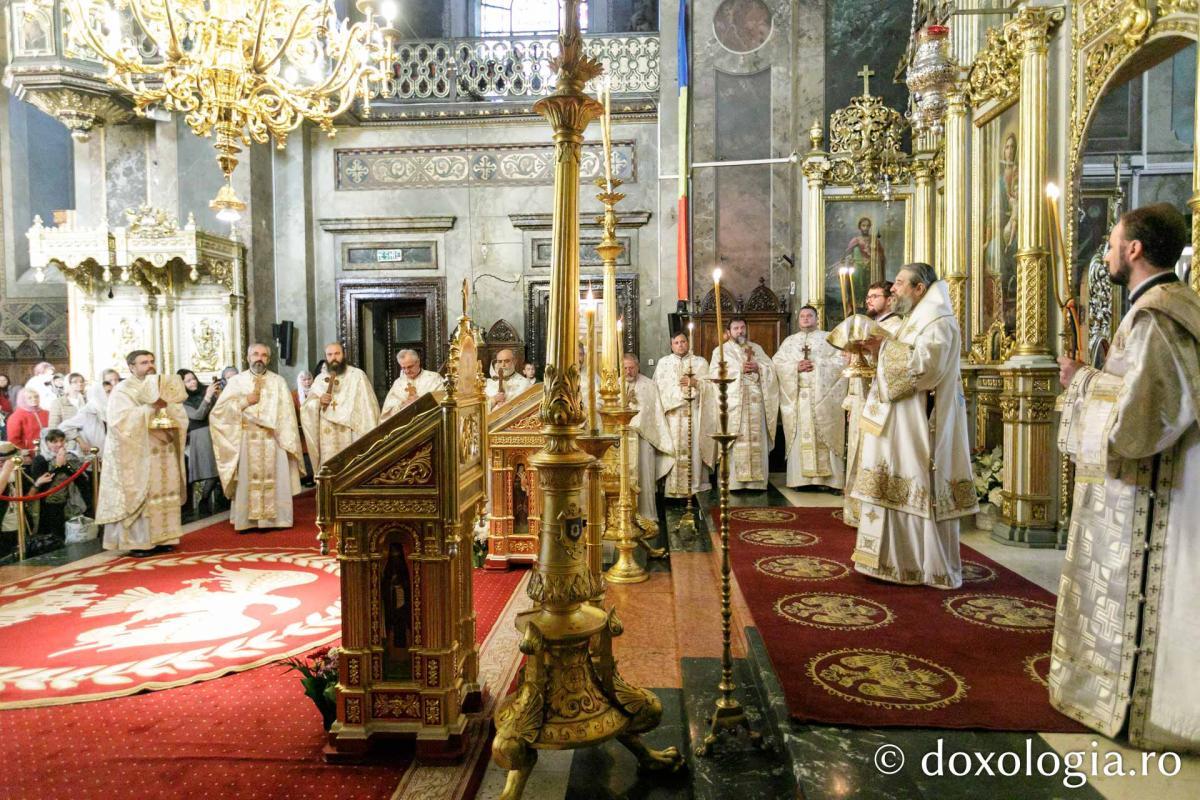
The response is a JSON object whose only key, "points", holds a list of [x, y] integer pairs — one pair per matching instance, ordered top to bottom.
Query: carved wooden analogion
{"points": [[515, 434], [399, 505]]}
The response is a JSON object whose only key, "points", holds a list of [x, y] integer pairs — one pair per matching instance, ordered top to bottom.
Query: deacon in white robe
{"points": [[878, 306], [681, 378], [412, 383], [505, 383], [812, 388], [753, 406], [339, 409], [257, 445], [655, 451], [914, 478], [142, 483], [1125, 645]]}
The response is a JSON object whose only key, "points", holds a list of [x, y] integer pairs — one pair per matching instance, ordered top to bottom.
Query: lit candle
{"points": [[606, 132], [1057, 247], [842, 275], [853, 297], [589, 312], [720, 327], [691, 329], [621, 362]]}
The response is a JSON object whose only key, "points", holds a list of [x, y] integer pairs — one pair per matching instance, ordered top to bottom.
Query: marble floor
{"points": [[672, 644]]}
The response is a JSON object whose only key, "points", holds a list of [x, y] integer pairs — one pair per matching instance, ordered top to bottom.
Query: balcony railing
{"points": [[471, 70]]}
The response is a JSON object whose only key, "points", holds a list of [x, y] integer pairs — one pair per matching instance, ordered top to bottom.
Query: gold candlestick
{"points": [[589, 313], [687, 522], [567, 641], [728, 714]]}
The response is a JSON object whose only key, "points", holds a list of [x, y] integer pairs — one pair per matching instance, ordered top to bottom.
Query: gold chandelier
{"points": [[246, 70]]}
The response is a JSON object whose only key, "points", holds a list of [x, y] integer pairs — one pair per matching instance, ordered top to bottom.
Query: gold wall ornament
{"points": [[246, 72], [995, 75], [79, 111], [866, 144], [207, 345], [411, 469], [567, 695]]}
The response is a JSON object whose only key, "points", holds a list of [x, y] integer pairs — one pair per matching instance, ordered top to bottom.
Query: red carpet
{"points": [[850, 650], [251, 735]]}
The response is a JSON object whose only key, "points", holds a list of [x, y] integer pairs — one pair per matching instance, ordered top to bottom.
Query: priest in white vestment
{"points": [[878, 306], [682, 381], [412, 383], [505, 383], [812, 387], [753, 406], [339, 409], [257, 445], [655, 451], [914, 477], [142, 483], [1126, 645]]}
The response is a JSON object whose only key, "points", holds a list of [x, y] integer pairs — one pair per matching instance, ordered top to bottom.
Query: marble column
{"points": [[814, 170]]}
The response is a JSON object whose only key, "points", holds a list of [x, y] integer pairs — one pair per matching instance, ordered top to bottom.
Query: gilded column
{"points": [[815, 167], [1194, 200], [955, 204], [922, 210], [1033, 254], [1030, 378]]}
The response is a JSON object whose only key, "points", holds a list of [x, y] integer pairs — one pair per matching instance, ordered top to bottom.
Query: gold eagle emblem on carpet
{"points": [[778, 537], [801, 568], [833, 611], [1003, 612], [886, 679]]}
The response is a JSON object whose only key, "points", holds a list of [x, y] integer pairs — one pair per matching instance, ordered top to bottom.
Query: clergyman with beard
{"points": [[340, 408], [257, 445], [142, 483]]}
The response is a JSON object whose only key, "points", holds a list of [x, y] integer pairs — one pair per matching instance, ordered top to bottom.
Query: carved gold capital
{"points": [[1034, 23]]}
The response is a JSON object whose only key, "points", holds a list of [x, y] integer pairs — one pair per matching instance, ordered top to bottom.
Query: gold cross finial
{"points": [[866, 73], [466, 293]]}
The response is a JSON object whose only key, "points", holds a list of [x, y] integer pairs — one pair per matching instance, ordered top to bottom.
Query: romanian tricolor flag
{"points": [[682, 283]]}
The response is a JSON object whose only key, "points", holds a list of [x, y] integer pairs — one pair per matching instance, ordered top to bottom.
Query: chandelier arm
{"points": [[262, 23], [79, 25], [286, 43], [173, 49], [332, 82]]}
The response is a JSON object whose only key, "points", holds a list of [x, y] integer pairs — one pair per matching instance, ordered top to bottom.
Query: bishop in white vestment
{"points": [[682, 381], [412, 383], [505, 383], [812, 389], [753, 406], [339, 409], [257, 445], [655, 451], [914, 478], [142, 483], [1126, 645]]}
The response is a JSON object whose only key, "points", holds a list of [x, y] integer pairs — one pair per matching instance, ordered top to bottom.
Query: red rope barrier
{"points": [[30, 498]]}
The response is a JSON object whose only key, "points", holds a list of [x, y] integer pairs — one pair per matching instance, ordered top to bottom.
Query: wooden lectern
{"points": [[515, 434], [399, 506]]}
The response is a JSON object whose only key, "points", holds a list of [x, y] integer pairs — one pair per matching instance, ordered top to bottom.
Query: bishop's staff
{"points": [[1067, 302]]}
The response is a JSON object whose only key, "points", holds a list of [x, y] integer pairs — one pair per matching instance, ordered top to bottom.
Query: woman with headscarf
{"points": [[71, 402], [25, 425], [87, 428], [201, 463], [52, 466]]}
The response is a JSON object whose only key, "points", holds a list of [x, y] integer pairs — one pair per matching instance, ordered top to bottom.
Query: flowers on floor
{"points": [[988, 467], [479, 544], [319, 677]]}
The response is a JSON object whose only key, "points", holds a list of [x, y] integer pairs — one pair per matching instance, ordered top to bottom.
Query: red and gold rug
{"points": [[850, 650]]}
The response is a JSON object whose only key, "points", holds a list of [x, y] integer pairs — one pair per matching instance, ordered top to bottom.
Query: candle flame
{"points": [[1052, 191], [717, 275]]}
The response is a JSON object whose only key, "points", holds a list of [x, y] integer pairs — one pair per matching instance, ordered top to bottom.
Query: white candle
{"points": [[606, 132], [720, 327], [621, 361]]}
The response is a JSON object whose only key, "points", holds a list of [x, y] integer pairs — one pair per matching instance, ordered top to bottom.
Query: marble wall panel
{"points": [[868, 32], [126, 174]]}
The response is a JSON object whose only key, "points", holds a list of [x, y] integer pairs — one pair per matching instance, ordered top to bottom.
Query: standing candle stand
{"points": [[595, 443], [687, 522], [728, 714]]}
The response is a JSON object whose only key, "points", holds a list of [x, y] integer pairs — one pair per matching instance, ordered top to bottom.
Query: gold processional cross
{"points": [[866, 73]]}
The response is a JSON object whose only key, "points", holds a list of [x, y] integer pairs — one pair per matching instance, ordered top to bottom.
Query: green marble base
{"points": [[1027, 536]]}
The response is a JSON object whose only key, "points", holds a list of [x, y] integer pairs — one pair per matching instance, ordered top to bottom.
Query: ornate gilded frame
{"points": [[1112, 40], [993, 86], [834, 196]]}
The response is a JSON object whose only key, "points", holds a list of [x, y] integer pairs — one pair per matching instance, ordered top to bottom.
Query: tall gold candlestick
{"points": [[589, 313], [620, 362], [567, 641]]}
